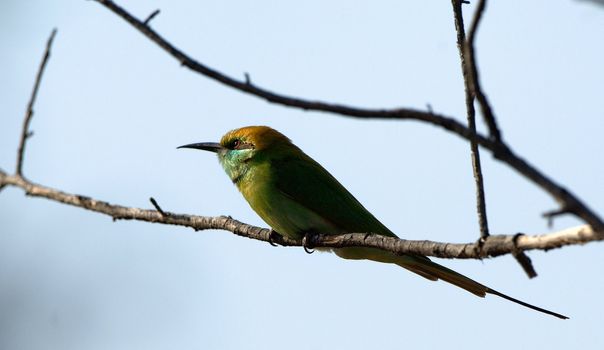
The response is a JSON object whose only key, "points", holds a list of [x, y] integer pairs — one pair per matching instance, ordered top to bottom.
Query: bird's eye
{"points": [[238, 144]]}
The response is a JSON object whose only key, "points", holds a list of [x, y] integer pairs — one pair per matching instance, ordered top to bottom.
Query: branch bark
{"points": [[494, 245]]}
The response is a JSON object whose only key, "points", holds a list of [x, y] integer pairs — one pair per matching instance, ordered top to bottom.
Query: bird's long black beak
{"points": [[206, 146]]}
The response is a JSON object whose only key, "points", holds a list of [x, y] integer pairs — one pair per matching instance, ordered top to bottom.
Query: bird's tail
{"points": [[426, 268]]}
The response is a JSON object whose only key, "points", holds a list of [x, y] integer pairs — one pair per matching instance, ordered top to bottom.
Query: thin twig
{"points": [[151, 16], [468, 66], [483, 101], [25, 133], [500, 150], [481, 206], [157, 207], [552, 214], [495, 245], [523, 259], [526, 264]]}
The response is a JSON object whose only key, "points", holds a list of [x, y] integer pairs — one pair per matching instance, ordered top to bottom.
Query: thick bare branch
{"points": [[25, 133], [500, 150], [494, 245]]}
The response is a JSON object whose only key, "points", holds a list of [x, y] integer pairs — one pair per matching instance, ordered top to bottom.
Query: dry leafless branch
{"points": [[471, 88], [469, 94], [487, 111], [25, 133], [501, 151], [494, 245]]}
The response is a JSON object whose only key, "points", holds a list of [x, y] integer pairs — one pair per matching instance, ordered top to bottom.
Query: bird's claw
{"points": [[271, 236], [305, 243], [308, 251]]}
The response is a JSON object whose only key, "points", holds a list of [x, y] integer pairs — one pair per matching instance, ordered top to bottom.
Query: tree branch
{"points": [[151, 16], [470, 86], [485, 107], [25, 133], [500, 150], [481, 206], [494, 245], [524, 261]]}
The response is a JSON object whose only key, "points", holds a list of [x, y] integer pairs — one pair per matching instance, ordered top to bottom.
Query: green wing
{"points": [[307, 183]]}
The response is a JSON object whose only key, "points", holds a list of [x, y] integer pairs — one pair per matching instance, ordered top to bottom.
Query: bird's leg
{"points": [[272, 234], [306, 243]]}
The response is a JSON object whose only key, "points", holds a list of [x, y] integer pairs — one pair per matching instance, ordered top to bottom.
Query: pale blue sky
{"points": [[113, 107]]}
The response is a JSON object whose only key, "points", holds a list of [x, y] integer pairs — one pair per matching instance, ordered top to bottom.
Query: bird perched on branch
{"points": [[296, 196]]}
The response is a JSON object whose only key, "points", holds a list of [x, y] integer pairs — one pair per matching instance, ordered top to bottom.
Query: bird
{"points": [[296, 197]]}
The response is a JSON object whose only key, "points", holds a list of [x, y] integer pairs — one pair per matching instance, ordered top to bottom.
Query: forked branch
{"points": [[472, 88], [500, 150], [494, 245]]}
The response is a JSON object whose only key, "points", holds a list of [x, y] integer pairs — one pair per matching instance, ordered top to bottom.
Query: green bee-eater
{"points": [[296, 196]]}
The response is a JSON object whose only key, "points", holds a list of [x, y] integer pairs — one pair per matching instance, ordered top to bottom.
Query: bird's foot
{"points": [[272, 234], [307, 243]]}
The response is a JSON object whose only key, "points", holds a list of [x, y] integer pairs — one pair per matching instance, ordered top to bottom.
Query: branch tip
{"points": [[151, 16], [157, 207], [552, 214], [523, 259]]}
